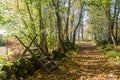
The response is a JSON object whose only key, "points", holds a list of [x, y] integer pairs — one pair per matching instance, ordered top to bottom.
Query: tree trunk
{"points": [[31, 18], [117, 19], [67, 23], [59, 27], [42, 28], [75, 30], [82, 33], [112, 34], [111, 37]]}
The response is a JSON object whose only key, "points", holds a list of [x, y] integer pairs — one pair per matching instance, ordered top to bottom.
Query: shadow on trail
{"points": [[87, 46], [90, 64], [94, 65]]}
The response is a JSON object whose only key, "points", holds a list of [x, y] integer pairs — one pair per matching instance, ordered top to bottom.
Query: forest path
{"points": [[87, 64], [95, 65]]}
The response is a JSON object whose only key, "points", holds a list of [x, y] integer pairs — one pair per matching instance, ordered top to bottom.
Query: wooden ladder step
{"points": [[34, 48], [43, 58], [48, 62], [49, 68], [53, 68]]}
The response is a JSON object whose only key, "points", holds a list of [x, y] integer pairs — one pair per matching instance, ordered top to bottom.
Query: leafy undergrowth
{"points": [[111, 52], [114, 56], [85, 64]]}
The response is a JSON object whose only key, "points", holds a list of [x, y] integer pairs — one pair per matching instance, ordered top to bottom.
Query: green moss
{"points": [[102, 43], [69, 45], [105, 48], [113, 54], [58, 55], [21, 68], [8, 69]]}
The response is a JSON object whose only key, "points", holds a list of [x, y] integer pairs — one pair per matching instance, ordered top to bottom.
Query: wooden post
{"points": [[24, 45]]}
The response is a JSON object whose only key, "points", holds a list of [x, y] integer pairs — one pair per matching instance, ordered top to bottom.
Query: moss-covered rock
{"points": [[102, 43], [69, 45], [58, 55], [23, 68], [20, 69], [8, 70], [3, 75]]}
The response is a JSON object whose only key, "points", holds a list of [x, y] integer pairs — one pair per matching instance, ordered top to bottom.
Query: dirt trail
{"points": [[88, 64], [95, 65]]}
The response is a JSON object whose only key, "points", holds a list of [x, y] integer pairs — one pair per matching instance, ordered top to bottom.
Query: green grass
{"points": [[113, 54]]}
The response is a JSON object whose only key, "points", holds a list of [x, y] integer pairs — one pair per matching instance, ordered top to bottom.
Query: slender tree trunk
{"points": [[21, 14], [117, 15], [31, 18], [112, 22], [67, 23], [72, 25], [59, 26], [75, 30], [82, 32], [79, 34], [111, 36], [44, 45]]}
